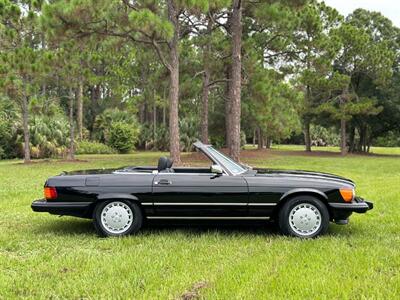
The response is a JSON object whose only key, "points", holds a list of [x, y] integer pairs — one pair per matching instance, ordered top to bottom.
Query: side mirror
{"points": [[216, 169]]}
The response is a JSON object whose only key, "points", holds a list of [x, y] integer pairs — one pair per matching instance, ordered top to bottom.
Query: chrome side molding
{"points": [[206, 218]]}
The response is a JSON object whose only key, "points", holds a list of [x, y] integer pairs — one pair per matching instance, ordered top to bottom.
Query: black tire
{"points": [[287, 222], [133, 227]]}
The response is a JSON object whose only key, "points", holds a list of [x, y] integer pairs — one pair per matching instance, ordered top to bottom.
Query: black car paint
{"points": [[255, 194]]}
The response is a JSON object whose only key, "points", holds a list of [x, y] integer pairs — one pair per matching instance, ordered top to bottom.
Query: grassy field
{"points": [[373, 150], [44, 256]]}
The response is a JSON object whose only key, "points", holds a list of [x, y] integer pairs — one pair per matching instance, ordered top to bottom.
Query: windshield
{"points": [[227, 162]]}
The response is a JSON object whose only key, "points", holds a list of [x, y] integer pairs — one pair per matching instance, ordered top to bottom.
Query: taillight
{"points": [[50, 193], [347, 194]]}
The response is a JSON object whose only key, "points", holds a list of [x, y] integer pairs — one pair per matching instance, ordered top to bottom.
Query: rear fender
{"points": [[109, 196], [122, 196]]}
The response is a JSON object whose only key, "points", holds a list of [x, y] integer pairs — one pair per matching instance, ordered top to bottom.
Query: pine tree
{"points": [[152, 23], [315, 51], [359, 54], [22, 60]]}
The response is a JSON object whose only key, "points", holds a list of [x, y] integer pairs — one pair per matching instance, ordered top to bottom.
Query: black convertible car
{"points": [[120, 200]]}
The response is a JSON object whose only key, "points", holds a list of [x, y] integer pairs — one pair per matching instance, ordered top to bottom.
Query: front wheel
{"points": [[304, 217], [117, 218]]}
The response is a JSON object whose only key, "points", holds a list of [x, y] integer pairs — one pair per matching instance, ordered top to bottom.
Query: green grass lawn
{"points": [[373, 150], [44, 256]]}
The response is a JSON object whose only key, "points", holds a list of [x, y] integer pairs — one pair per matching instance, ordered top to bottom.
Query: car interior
{"points": [[165, 166]]}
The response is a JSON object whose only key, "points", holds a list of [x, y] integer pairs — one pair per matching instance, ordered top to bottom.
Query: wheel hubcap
{"points": [[116, 217], [305, 219]]}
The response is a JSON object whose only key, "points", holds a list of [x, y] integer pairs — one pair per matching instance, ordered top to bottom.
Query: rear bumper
{"points": [[359, 205], [77, 209]]}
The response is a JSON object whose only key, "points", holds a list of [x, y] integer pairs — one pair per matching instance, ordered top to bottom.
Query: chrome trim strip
{"points": [[132, 173], [188, 173], [183, 174], [50, 203], [147, 203], [198, 203], [212, 204], [349, 205], [208, 218]]}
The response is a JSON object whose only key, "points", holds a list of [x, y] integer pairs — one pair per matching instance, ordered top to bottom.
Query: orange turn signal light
{"points": [[50, 193], [347, 194]]}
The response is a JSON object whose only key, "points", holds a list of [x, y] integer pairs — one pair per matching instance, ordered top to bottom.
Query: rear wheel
{"points": [[304, 217], [117, 218]]}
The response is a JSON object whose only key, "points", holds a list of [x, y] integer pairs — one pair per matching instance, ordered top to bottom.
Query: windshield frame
{"points": [[216, 159], [221, 159]]}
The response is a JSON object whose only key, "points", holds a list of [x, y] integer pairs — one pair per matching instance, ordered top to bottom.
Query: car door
{"points": [[202, 195]]}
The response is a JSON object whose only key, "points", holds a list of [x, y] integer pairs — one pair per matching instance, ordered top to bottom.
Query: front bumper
{"points": [[359, 205], [77, 209]]}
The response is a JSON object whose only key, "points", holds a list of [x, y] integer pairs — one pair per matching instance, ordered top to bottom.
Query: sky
{"points": [[388, 8]]}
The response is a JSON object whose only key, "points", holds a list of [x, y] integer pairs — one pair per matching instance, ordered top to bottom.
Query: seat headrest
{"points": [[162, 163], [169, 163]]}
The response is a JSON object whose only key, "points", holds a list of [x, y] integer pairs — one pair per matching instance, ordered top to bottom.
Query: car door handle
{"points": [[163, 182]]}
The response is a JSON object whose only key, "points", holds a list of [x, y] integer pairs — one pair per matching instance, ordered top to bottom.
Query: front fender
{"points": [[303, 190]]}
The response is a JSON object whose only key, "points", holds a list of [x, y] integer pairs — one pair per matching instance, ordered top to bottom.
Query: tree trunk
{"points": [[236, 80], [206, 87], [94, 103], [227, 107], [164, 108], [79, 112], [141, 112], [204, 112], [164, 115], [173, 117], [307, 118], [25, 121], [155, 123], [307, 135], [343, 135], [254, 137], [365, 138], [259, 139], [352, 139], [174, 140], [268, 142], [343, 143], [71, 151]]}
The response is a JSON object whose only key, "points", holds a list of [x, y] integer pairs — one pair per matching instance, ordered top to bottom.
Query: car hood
{"points": [[303, 174]]}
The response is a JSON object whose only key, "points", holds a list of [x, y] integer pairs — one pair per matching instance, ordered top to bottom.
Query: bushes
{"points": [[109, 116], [8, 129], [48, 129], [117, 129], [188, 133], [49, 136], [328, 136], [122, 137], [7, 139], [391, 139], [159, 140], [149, 141], [218, 141], [89, 147]]}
